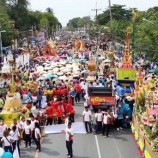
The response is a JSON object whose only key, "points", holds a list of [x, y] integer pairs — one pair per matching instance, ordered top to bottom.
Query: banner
{"points": [[41, 37], [126, 74], [96, 100], [78, 127]]}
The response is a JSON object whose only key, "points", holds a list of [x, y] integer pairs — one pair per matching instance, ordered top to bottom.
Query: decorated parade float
{"points": [[126, 73], [13, 107], [145, 115]]}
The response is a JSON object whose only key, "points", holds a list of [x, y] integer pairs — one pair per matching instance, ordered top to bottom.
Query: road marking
{"points": [[117, 148], [98, 149]]}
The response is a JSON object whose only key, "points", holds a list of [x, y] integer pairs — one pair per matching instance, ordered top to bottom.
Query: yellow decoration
{"points": [[123, 73], [141, 144], [146, 154]]}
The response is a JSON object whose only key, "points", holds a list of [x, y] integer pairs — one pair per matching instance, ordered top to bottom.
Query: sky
{"points": [[67, 9]]}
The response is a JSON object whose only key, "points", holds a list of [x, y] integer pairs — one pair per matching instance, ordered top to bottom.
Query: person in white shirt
{"points": [[34, 110], [99, 118], [87, 119], [33, 121], [15, 123], [106, 124], [3, 127], [22, 127], [28, 133], [16, 136], [37, 136], [7, 140], [69, 140]]}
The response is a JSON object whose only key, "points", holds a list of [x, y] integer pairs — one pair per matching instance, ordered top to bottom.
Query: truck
{"points": [[101, 98]]}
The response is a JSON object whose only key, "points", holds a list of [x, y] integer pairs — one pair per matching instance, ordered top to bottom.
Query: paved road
{"points": [[120, 144]]}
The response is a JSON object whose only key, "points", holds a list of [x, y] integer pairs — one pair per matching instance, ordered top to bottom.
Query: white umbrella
{"points": [[63, 78]]}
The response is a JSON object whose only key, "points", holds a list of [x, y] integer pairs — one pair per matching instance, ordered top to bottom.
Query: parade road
{"points": [[119, 144]]}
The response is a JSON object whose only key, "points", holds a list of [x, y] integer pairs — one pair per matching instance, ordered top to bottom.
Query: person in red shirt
{"points": [[78, 92], [70, 99], [64, 103], [70, 110], [49, 112], [60, 113]]}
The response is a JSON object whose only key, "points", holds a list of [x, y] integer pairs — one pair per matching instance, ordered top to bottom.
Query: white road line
{"points": [[117, 148], [98, 149]]}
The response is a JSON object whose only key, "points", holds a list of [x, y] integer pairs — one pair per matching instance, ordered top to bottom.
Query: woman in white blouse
{"points": [[14, 133]]}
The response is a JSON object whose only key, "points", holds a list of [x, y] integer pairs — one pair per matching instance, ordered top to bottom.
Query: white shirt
{"points": [[34, 111], [86, 115], [98, 116], [105, 119], [66, 121], [22, 124], [33, 124], [17, 126], [2, 129], [27, 129], [67, 131], [37, 132], [15, 135], [7, 142]]}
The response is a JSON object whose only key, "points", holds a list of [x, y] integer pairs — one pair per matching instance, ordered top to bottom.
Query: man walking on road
{"points": [[99, 118], [87, 119], [69, 140]]}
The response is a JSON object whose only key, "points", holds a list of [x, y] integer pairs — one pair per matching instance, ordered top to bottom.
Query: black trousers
{"points": [[77, 97], [71, 117], [49, 121], [119, 123], [88, 126], [98, 126], [107, 128], [27, 140], [38, 144], [14, 146], [69, 147], [8, 148]]}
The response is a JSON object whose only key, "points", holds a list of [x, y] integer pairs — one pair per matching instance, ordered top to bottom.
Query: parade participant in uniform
{"points": [[78, 92], [70, 110], [49, 112], [60, 112], [99, 118], [87, 119], [33, 121], [15, 123], [3, 127], [22, 127], [28, 133], [38, 136], [16, 137], [7, 140]]}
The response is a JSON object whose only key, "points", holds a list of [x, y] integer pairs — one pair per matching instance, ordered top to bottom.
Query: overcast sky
{"points": [[67, 9]]}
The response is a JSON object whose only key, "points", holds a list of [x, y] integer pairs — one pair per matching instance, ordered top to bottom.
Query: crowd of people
{"points": [[59, 106]]}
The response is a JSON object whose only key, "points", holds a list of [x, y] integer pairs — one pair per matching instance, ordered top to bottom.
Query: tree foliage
{"points": [[21, 18]]}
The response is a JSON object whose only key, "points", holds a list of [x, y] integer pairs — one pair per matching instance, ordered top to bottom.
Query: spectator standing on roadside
{"points": [[87, 119]]}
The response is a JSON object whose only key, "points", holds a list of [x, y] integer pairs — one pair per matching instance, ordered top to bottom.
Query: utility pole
{"points": [[97, 28], [111, 28], [97, 31]]}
